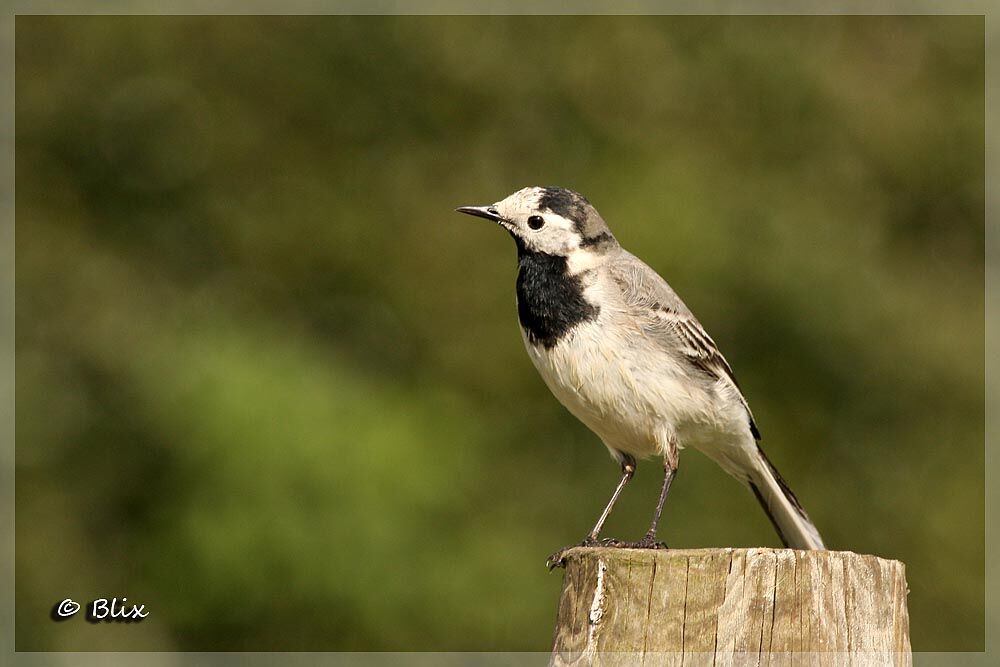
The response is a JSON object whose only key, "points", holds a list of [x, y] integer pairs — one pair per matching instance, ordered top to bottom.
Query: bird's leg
{"points": [[628, 470], [669, 472]]}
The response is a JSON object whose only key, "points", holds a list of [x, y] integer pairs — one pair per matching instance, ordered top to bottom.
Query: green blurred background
{"points": [[271, 386]]}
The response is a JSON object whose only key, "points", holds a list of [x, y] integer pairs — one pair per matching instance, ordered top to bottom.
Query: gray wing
{"points": [[663, 318]]}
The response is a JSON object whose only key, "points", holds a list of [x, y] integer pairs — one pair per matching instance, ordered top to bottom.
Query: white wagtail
{"points": [[622, 352]]}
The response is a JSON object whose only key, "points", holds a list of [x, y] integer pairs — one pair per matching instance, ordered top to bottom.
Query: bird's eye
{"points": [[536, 222]]}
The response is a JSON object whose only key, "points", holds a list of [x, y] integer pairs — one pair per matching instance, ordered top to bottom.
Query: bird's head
{"points": [[549, 220]]}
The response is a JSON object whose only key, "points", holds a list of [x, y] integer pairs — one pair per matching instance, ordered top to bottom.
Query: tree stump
{"points": [[730, 607]]}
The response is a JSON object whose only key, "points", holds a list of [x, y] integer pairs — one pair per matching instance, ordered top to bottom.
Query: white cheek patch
{"points": [[561, 235], [580, 260]]}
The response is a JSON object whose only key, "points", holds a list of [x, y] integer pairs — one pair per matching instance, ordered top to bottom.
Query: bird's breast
{"points": [[550, 301], [594, 375], [608, 378]]}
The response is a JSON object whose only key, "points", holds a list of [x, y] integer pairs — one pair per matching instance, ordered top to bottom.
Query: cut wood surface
{"points": [[731, 607]]}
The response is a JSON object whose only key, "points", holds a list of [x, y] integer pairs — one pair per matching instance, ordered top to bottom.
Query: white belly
{"points": [[634, 398]]}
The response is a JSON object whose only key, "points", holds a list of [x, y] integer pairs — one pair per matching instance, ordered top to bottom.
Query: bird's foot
{"points": [[647, 542], [558, 559]]}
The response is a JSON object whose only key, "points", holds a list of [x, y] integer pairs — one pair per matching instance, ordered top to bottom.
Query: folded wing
{"points": [[663, 318]]}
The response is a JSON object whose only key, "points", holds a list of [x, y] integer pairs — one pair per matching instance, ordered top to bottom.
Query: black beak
{"points": [[487, 212]]}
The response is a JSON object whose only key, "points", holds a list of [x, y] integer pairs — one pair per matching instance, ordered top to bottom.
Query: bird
{"points": [[622, 352]]}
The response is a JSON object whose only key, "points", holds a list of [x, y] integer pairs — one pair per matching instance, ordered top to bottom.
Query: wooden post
{"points": [[730, 607]]}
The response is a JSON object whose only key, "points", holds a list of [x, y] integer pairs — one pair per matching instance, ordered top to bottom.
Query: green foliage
{"points": [[270, 385]]}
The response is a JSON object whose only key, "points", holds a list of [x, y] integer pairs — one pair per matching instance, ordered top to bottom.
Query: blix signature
{"points": [[102, 609]]}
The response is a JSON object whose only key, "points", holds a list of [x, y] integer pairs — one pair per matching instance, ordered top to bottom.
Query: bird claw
{"points": [[648, 542], [645, 543], [558, 558]]}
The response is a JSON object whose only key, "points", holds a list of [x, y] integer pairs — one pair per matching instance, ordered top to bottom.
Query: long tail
{"points": [[782, 507]]}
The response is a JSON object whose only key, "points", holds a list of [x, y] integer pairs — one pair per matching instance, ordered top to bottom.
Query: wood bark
{"points": [[731, 607]]}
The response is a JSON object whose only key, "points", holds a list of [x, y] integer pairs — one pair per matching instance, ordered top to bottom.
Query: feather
{"points": [[662, 317]]}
